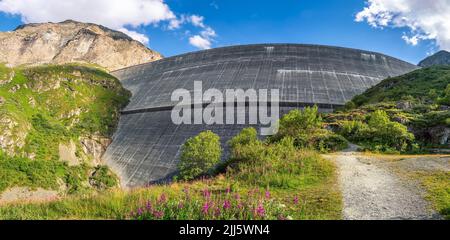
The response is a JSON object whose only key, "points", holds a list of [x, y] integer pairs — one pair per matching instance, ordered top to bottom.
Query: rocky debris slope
{"points": [[71, 41]]}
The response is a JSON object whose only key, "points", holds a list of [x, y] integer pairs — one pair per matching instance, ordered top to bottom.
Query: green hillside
{"points": [[421, 86], [417, 103], [49, 111]]}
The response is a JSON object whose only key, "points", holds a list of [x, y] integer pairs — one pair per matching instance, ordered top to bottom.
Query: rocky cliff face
{"points": [[71, 41], [440, 58]]}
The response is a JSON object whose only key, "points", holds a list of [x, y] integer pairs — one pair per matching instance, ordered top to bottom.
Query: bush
{"points": [[446, 99], [300, 126], [354, 130], [307, 131], [379, 134], [246, 136], [330, 142], [199, 155], [103, 178]]}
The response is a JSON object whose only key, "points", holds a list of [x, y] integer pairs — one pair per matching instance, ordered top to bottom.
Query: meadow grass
{"points": [[437, 186], [311, 193]]}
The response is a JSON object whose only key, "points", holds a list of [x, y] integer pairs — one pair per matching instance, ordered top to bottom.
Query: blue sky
{"points": [[327, 22]]}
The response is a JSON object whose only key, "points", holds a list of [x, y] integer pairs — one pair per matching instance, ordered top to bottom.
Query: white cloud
{"points": [[214, 5], [111, 13], [120, 15], [425, 19], [197, 20], [175, 23], [135, 35], [204, 39], [200, 42]]}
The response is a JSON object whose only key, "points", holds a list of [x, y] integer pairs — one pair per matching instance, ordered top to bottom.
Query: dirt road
{"points": [[371, 192]]}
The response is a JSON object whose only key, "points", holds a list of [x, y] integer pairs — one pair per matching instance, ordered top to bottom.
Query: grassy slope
{"points": [[416, 84], [423, 90], [43, 102], [309, 178]]}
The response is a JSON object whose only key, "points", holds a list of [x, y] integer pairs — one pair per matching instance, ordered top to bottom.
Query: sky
{"points": [[407, 29]]}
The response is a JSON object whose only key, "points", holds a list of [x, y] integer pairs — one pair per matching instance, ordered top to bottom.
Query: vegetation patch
{"points": [[43, 107], [405, 114], [262, 180], [437, 185]]}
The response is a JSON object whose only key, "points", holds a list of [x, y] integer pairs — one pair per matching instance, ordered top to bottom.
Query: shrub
{"points": [[446, 99], [300, 126], [354, 130], [307, 131], [388, 133], [379, 134], [246, 136], [330, 142], [244, 146], [199, 155], [103, 178]]}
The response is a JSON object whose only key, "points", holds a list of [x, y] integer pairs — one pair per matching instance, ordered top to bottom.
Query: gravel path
{"points": [[370, 192]]}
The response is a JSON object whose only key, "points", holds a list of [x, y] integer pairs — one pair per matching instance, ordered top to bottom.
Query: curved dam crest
{"points": [[146, 146]]}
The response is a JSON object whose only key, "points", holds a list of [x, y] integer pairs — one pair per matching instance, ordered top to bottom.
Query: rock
{"points": [[71, 41], [14, 89], [32, 101], [404, 105], [444, 108], [72, 113], [12, 135], [440, 135], [95, 146], [67, 154], [21, 194]]}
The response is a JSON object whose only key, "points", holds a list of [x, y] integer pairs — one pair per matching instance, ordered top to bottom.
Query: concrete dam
{"points": [[146, 146]]}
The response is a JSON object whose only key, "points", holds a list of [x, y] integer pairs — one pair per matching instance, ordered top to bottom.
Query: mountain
{"points": [[71, 41], [440, 58]]}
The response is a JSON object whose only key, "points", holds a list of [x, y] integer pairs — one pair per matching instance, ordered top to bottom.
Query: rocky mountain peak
{"points": [[72, 41], [439, 58]]}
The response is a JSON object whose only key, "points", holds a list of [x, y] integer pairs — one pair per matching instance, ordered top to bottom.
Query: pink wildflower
{"points": [[206, 193], [267, 194], [237, 196], [162, 199], [296, 200], [226, 205], [149, 206], [205, 208], [260, 211], [217, 212], [158, 214]]}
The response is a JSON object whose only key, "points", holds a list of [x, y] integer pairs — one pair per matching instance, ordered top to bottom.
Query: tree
{"points": [[199, 155]]}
